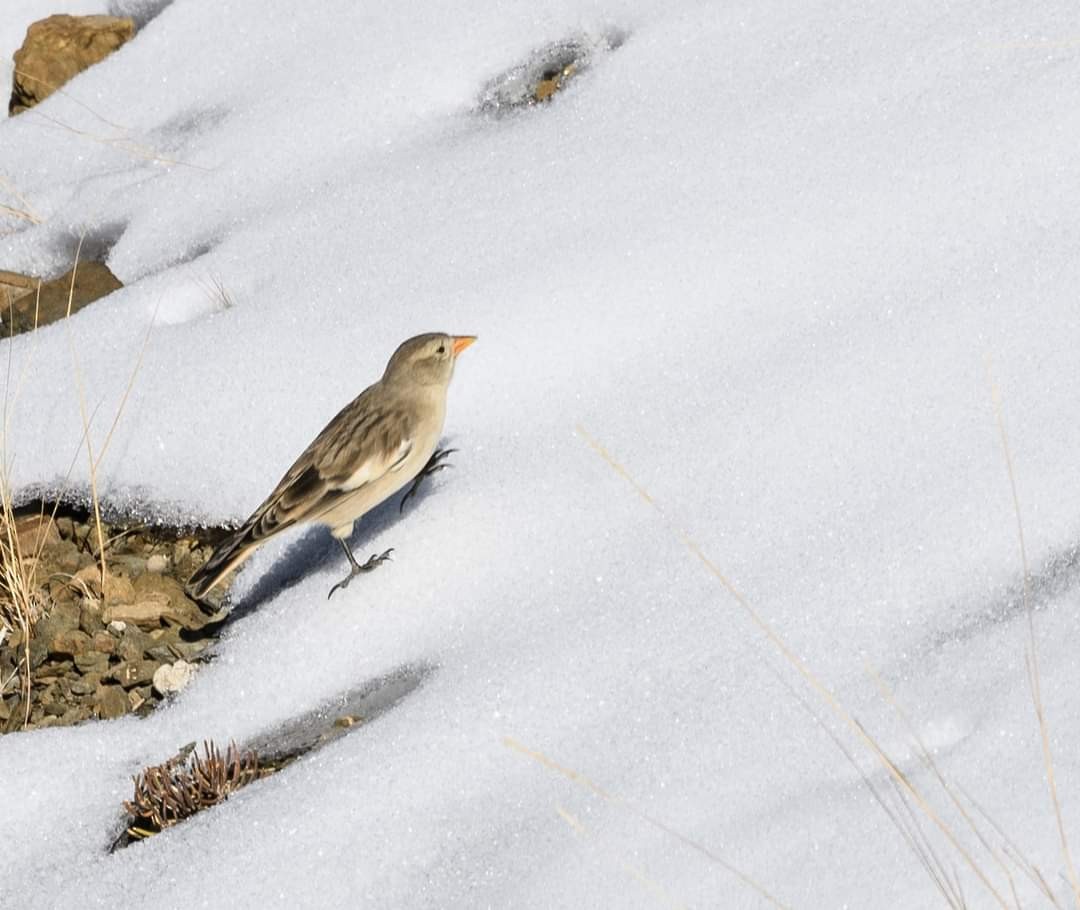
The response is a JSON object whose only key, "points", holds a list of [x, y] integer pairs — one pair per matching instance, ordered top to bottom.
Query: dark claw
{"points": [[434, 464], [357, 569]]}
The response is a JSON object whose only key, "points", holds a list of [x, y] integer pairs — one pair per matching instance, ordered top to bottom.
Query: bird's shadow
{"points": [[316, 548]]}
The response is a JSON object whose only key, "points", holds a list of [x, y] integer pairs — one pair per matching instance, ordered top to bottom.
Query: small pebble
{"points": [[157, 564], [117, 627]]}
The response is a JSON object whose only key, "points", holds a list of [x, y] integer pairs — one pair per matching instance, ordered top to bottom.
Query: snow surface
{"points": [[761, 253]]}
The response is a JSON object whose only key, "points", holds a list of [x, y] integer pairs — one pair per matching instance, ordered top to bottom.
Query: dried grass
{"points": [[187, 783]]}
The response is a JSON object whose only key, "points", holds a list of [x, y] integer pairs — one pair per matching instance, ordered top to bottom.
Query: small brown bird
{"points": [[377, 443]]}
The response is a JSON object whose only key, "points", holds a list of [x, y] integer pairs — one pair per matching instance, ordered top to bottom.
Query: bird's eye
{"points": [[442, 349]]}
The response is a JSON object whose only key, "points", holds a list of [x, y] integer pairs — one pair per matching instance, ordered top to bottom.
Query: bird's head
{"points": [[427, 359]]}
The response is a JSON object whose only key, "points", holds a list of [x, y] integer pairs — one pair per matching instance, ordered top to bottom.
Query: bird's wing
{"points": [[368, 438]]}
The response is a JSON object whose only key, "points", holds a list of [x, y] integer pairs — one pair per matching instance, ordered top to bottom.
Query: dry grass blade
{"points": [[60, 90], [120, 143], [26, 213], [217, 292], [85, 420], [95, 462], [22, 601], [1033, 653], [826, 694], [927, 760], [580, 779], [168, 793], [904, 819], [1013, 853], [637, 874]]}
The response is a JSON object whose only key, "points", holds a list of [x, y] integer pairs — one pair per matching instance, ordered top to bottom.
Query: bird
{"points": [[380, 441]]}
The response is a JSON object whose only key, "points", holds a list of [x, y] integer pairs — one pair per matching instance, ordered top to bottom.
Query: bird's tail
{"points": [[229, 554]]}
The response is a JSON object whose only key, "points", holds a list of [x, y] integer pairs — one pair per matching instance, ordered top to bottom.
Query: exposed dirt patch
{"points": [[546, 72], [104, 646]]}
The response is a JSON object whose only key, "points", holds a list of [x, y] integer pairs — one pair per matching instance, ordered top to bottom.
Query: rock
{"points": [[60, 47], [93, 280], [66, 527], [35, 532], [67, 556], [157, 564], [132, 566], [118, 590], [60, 591], [158, 597], [145, 613], [63, 617], [90, 620], [116, 627], [69, 643], [103, 643], [133, 644], [39, 650], [188, 650], [161, 653], [92, 662], [133, 672], [170, 678], [85, 686], [110, 701], [54, 708], [16, 713], [75, 715]]}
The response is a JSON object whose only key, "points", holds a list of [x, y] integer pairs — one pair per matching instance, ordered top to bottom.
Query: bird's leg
{"points": [[435, 463], [358, 569]]}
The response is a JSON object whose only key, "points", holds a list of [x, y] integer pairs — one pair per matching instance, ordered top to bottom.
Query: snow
{"points": [[760, 254]]}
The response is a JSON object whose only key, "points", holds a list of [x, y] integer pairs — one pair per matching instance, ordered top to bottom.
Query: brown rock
{"points": [[60, 47], [93, 280], [35, 532], [67, 556], [118, 590], [60, 591], [158, 597], [146, 613], [62, 617], [90, 620], [69, 643], [103, 643], [133, 644], [39, 650], [92, 662], [133, 672], [86, 686], [110, 701], [75, 715]]}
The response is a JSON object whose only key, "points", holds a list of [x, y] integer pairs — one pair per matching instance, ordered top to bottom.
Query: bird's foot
{"points": [[435, 463], [374, 561]]}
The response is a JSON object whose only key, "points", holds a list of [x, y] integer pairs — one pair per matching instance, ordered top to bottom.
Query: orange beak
{"points": [[461, 342]]}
